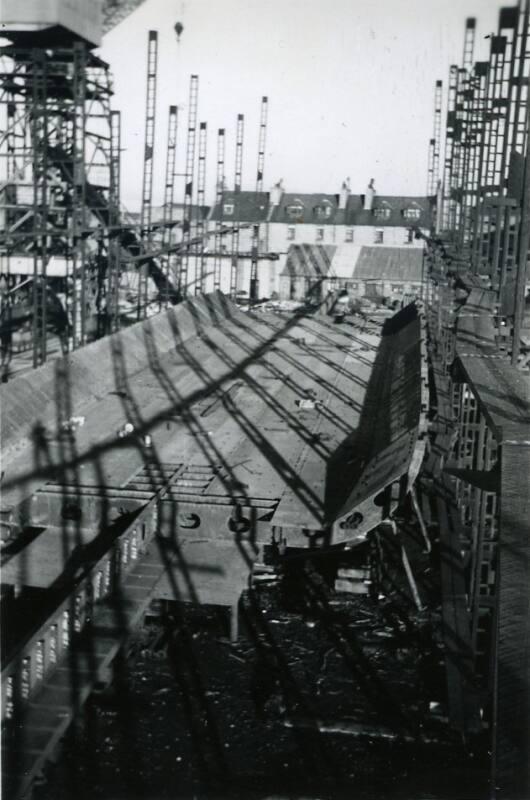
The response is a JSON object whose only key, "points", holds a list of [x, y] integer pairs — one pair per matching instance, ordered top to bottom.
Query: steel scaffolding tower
{"points": [[469, 44], [450, 132], [39, 135], [484, 162], [430, 169], [433, 170], [147, 179], [56, 185], [188, 186], [219, 188], [237, 192], [169, 193], [114, 254], [200, 263], [254, 287]]}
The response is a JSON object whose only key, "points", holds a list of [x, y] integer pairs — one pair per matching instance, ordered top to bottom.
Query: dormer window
{"points": [[228, 209], [295, 211], [323, 211], [382, 213], [412, 213]]}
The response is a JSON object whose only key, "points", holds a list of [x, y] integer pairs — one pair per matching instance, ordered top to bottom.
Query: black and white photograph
{"points": [[265, 399]]}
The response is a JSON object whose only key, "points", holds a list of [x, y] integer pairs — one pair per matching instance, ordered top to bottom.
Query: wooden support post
{"points": [[234, 622]]}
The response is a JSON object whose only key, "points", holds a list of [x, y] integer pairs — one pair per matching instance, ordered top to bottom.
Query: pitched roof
{"points": [[395, 205], [248, 207], [318, 209], [323, 209], [308, 260], [389, 263]]}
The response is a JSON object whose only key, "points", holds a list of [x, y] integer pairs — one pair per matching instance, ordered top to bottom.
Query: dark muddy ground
{"points": [[325, 695]]}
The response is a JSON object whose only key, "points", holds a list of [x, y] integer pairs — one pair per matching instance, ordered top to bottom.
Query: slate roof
{"points": [[396, 205], [248, 207], [313, 209], [323, 209], [308, 260], [389, 263]]}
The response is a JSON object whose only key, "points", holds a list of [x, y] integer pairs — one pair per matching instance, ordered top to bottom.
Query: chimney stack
{"points": [[277, 193], [344, 194], [369, 196]]}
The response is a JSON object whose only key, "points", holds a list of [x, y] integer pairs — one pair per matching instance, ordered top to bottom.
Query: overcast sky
{"points": [[350, 85]]}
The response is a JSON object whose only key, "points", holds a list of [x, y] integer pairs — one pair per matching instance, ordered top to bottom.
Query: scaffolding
{"points": [[262, 138], [55, 162], [147, 178], [219, 189], [169, 195], [187, 222], [200, 263], [234, 271], [481, 325]]}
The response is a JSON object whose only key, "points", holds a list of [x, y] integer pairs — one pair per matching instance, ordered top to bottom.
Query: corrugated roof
{"points": [[248, 207], [308, 260], [389, 263]]}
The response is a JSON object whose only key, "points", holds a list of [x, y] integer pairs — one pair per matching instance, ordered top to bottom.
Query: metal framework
{"points": [[469, 43], [450, 132], [435, 142], [55, 162], [147, 180], [188, 187], [219, 188], [237, 191], [169, 192], [114, 249], [200, 263], [254, 286], [478, 358]]}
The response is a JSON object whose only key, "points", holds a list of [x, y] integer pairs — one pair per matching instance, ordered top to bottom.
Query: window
{"points": [[228, 209], [295, 211], [324, 211], [382, 213], [412, 213], [291, 233], [320, 234], [349, 235], [378, 236], [409, 236]]}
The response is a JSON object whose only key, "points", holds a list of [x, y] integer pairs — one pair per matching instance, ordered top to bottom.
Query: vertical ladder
{"points": [[509, 19], [469, 44], [438, 92], [39, 136], [449, 145], [457, 152], [430, 169], [147, 181], [188, 186], [219, 188], [237, 192], [169, 194], [200, 261], [113, 266], [79, 276], [254, 286]]}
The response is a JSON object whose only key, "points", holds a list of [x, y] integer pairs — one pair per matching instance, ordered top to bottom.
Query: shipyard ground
{"points": [[325, 695]]}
